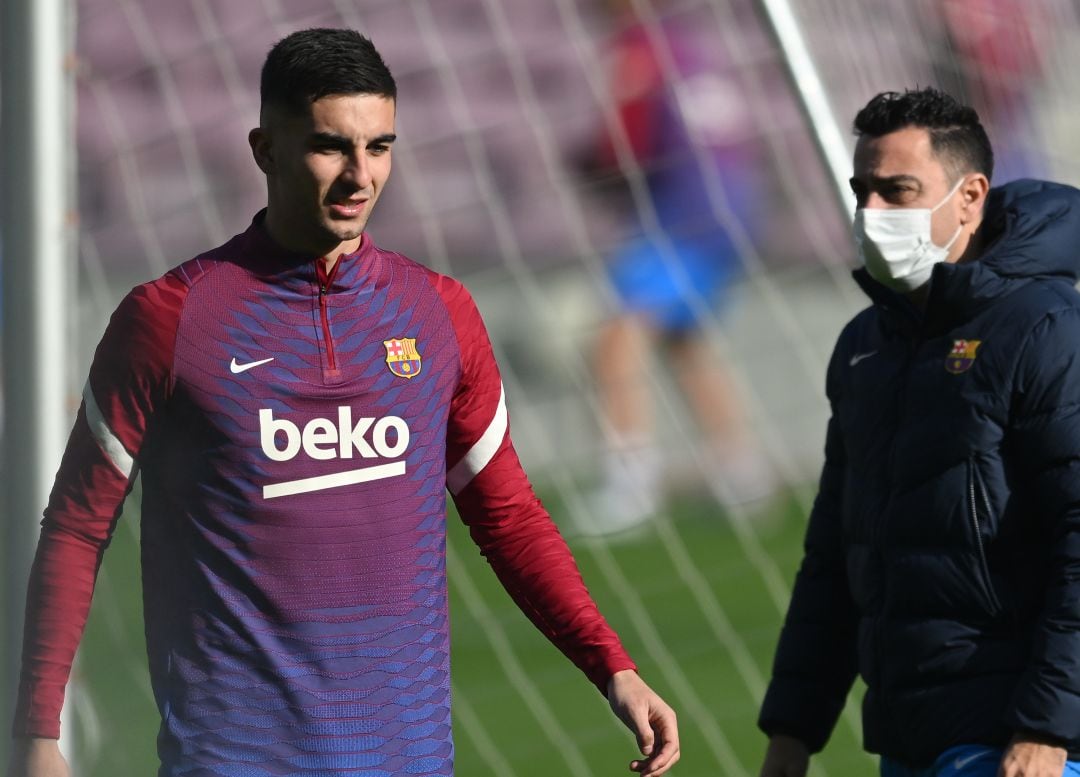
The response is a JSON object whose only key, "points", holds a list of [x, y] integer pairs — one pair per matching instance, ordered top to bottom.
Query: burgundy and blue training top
{"points": [[296, 432]]}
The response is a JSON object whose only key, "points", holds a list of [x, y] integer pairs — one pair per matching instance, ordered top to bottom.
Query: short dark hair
{"points": [[311, 64], [957, 137]]}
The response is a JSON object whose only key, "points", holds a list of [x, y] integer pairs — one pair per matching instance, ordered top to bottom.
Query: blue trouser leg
{"points": [[962, 761]]}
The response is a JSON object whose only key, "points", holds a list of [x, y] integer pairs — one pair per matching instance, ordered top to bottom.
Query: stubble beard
{"points": [[339, 230]]}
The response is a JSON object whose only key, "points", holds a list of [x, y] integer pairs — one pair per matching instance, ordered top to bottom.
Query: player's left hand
{"points": [[651, 720], [1028, 757]]}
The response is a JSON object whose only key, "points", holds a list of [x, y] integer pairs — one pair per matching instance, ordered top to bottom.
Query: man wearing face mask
{"points": [[942, 557]]}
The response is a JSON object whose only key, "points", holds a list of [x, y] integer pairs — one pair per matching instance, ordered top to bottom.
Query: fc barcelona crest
{"points": [[962, 356], [402, 357]]}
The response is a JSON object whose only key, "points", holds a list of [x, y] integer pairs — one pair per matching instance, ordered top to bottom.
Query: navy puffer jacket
{"points": [[943, 552]]}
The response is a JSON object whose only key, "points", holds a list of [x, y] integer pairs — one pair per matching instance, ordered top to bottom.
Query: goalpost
{"points": [[37, 262]]}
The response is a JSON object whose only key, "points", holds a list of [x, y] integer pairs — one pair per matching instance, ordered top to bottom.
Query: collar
{"points": [[269, 259], [957, 293]]}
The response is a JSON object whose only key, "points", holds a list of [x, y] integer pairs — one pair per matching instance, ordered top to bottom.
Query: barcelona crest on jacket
{"points": [[962, 355], [402, 357]]}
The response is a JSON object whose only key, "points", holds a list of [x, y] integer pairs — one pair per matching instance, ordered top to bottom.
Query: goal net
{"points": [[632, 194]]}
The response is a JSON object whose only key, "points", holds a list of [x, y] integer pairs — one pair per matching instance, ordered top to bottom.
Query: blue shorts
{"points": [[671, 290], [963, 761]]}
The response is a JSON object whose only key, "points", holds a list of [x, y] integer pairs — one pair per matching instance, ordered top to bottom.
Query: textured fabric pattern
{"points": [[293, 522]]}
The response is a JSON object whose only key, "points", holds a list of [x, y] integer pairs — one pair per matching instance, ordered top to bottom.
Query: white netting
{"points": [[528, 167]]}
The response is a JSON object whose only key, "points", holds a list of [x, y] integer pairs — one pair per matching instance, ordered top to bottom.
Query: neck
{"points": [[291, 240], [330, 260]]}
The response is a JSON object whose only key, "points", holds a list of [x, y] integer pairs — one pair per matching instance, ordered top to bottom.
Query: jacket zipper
{"points": [[325, 279], [984, 566]]}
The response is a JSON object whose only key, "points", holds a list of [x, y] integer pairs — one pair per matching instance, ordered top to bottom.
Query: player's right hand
{"points": [[650, 718], [36, 757], [786, 757]]}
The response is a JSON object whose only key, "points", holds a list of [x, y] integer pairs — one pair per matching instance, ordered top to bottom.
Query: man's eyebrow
{"points": [[330, 138], [340, 141], [895, 179]]}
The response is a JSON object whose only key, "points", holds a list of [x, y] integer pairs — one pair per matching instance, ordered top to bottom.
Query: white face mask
{"points": [[895, 244]]}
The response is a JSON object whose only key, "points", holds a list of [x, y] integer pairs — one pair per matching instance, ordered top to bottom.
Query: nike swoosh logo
{"points": [[860, 356], [236, 368], [960, 763]]}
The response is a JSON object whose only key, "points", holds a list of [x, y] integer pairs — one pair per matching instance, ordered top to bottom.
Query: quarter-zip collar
{"points": [[298, 270]]}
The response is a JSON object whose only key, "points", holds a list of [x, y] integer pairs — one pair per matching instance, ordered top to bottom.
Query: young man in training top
{"points": [[298, 401]]}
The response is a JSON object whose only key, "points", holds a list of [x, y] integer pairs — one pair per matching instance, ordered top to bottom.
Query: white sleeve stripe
{"points": [[108, 441], [482, 452]]}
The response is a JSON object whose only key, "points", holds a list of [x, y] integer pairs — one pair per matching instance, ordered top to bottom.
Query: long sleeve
{"points": [[128, 383], [1046, 435], [505, 518], [816, 660]]}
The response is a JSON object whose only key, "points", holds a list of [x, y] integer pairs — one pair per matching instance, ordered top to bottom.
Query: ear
{"points": [[261, 149], [973, 195]]}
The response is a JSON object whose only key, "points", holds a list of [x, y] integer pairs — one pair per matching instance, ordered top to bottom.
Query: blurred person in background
{"points": [[996, 59], [679, 112], [298, 401], [942, 557]]}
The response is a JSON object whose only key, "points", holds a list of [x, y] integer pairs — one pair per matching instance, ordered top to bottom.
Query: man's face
{"points": [[325, 170], [899, 170]]}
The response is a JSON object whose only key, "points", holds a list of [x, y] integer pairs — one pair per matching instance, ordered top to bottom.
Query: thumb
{"points": [[639, 722]]}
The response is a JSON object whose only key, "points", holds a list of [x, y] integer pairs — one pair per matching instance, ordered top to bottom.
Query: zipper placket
{"points": [[324, 281], [976, 489], [975, 521]]}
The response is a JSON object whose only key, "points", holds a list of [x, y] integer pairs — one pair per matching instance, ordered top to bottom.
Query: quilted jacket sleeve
{"points": [[815, 661]]}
